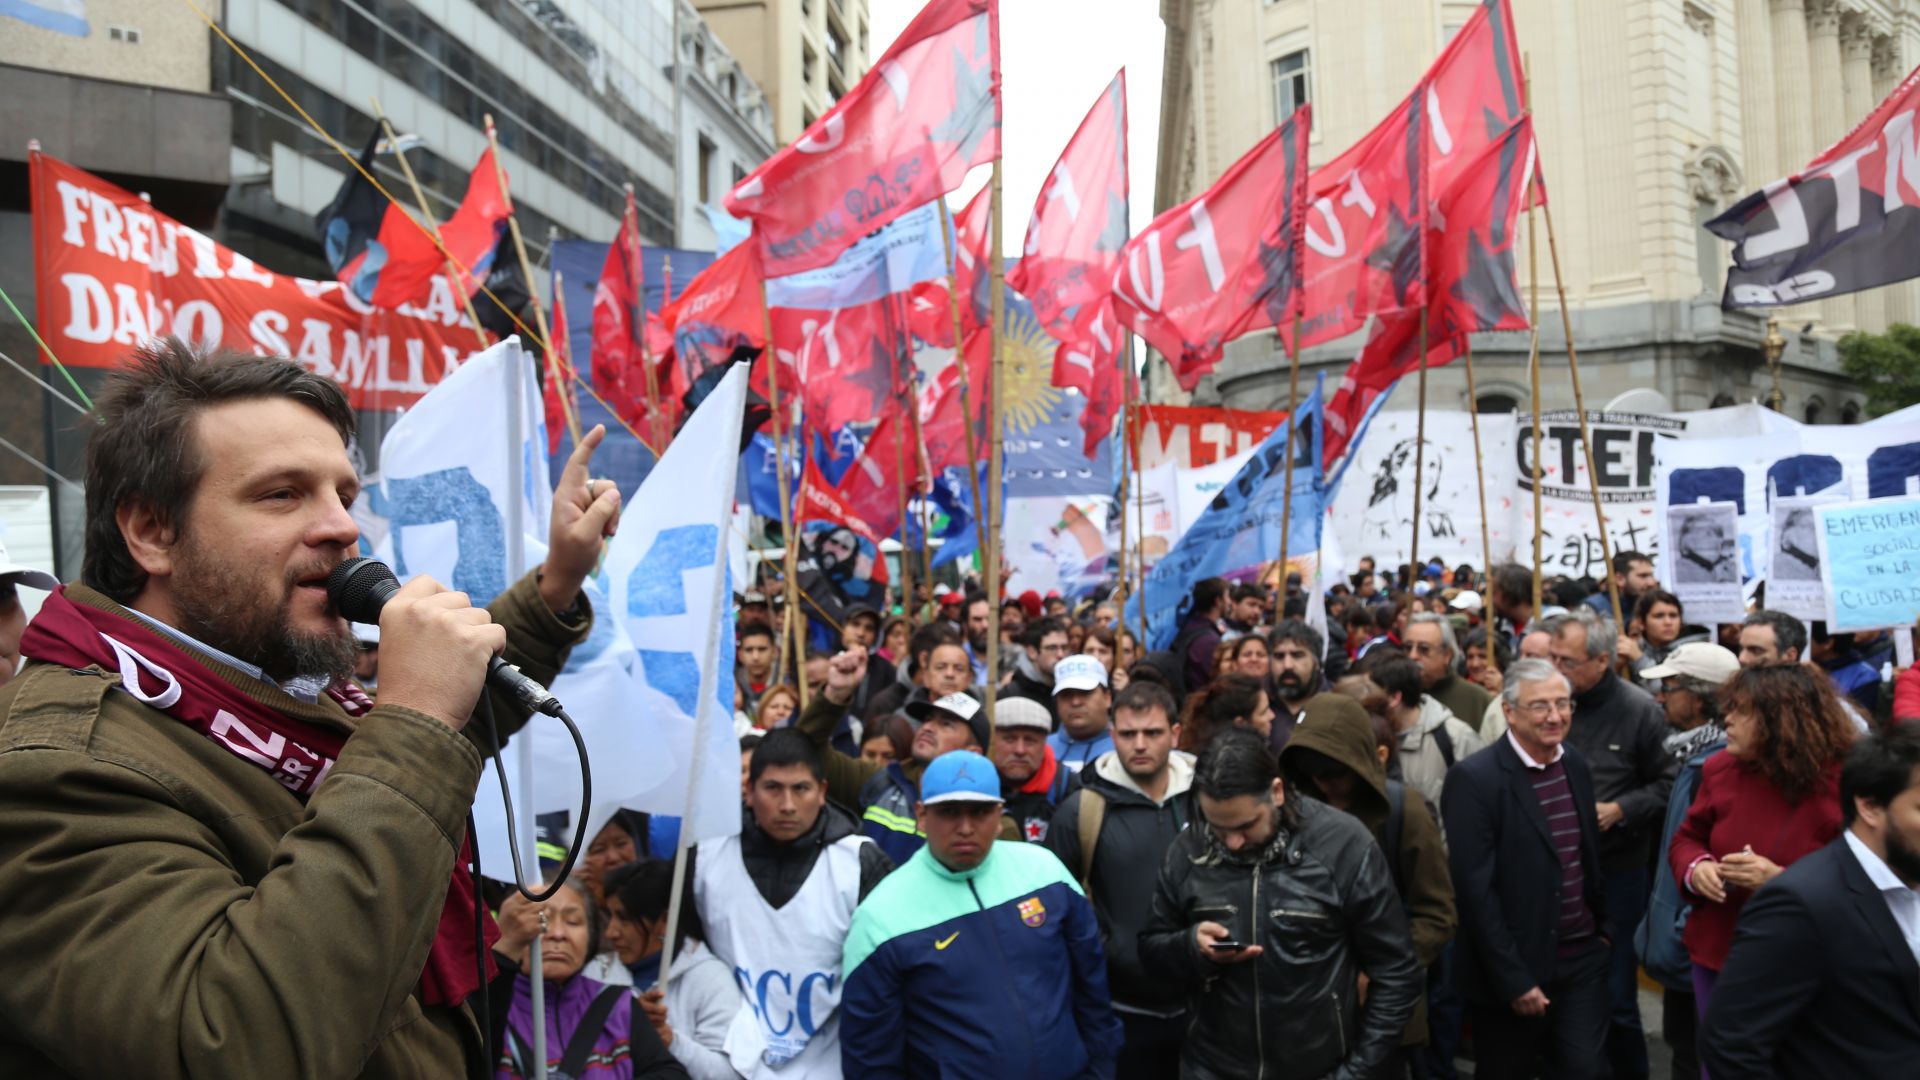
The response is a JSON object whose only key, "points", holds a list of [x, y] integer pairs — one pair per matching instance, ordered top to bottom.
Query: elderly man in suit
{"points": [[1525, 854], [1824, 975]]}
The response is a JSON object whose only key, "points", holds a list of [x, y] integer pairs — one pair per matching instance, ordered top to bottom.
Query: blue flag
{"points": [[1239, 533]]}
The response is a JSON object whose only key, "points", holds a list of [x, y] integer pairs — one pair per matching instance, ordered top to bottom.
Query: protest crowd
{"points": [[1253, 811]]}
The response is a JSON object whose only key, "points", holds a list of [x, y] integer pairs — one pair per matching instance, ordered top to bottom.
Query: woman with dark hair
{"points": [[1657, 627], [893, 640], [1104, 645], [1249, 656], [1487, 656], [1228, 702], [1773, 797], [692, 1015], [587, 1021]]}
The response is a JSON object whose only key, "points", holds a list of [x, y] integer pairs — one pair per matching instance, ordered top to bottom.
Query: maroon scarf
{"points": [[297, 753]]}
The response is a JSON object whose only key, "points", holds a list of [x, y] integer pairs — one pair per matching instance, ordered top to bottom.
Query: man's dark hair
{"points": [[143, 451], [1623, 560], [1513, 582], [1248, 592], [1207, 594], [1570, 594], [1385, 615], [1040, 628], [753, 629], [1297, 632], [1789, 633], [1478, 638], [923, 641], [1399, 676], [1142, 695], [751, 741], [785, 746], [1235, 762], [1879, 768], [645, 891]]}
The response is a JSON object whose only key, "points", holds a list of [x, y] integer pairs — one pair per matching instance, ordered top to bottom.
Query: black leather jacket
{"points": [[1319, 900]]}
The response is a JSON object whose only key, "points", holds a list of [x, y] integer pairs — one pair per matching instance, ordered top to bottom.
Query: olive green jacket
{"points": [[172, 911]]}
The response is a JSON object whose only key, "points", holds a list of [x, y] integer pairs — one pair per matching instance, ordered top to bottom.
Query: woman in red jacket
{"points": [[1773, 797]]}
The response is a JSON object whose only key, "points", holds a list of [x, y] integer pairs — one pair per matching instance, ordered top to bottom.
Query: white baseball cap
{"points": [[31, 577], [1468, 600], [1701, 660], [1079, 672]]}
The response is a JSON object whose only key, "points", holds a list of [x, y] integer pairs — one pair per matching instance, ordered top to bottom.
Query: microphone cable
{"points": [[484, 711]]}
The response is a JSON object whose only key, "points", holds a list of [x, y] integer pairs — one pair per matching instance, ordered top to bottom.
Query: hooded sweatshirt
{"points": [[1336, 726], [1422, 763], [1134, 836]]}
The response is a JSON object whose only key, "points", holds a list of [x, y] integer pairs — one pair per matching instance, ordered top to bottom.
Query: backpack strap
{"points": [[1443, 739], [1093, 813], [1396, 824], [587, 1032]]}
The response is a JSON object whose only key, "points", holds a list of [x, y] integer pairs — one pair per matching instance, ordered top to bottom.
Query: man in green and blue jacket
{"points": [[975, 958]]}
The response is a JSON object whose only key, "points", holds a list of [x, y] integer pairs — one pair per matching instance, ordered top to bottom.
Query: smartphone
{"points": [[1227, 946]]}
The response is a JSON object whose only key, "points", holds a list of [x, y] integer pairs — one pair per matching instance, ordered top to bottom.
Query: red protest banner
{"points": [[111, 273], [1191, 437]]}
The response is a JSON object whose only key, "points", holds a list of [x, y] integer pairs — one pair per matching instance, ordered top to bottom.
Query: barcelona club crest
{"points": [[1032, 912]]}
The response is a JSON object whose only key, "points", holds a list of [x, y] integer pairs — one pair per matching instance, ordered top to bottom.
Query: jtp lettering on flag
{"points": [[907, 133], [1848, 221], [1223, 263]]}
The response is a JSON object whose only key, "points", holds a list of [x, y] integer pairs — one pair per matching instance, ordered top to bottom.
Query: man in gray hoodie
{"points": [[1111, 833]]}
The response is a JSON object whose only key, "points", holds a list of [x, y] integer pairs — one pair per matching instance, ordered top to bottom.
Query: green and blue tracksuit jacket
{"points": [[995, 971]]}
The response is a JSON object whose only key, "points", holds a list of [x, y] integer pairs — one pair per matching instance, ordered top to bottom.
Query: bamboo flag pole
{"points": [[630, 228], [520, 249], [454, 277], [960, 358], [1533, 376], [564, 379], [1138, 396], [1293, 436], [1586, 439], [1419, 456], [1479, 470], [1126, 471], [996, 483], [900, 489], [788, 530]]}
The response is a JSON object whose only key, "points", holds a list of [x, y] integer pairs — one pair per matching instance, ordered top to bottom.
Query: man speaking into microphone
{"points": [[219, 858]]}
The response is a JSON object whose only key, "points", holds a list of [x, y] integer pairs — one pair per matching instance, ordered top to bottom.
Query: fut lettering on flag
{"points": [[907, 133], [1849, 220], [1199, 275]]}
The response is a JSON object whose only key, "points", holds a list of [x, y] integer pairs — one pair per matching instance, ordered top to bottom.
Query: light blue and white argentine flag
{"points": [[60, 16]]}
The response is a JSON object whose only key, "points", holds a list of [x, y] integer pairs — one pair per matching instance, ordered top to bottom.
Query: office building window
{"points": [[809, 61], [1292, 76], [707, 152]]}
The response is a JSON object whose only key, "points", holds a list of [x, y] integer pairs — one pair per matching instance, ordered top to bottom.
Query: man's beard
{"points": [[218, 608], [1298, 690], [1902, 858]]}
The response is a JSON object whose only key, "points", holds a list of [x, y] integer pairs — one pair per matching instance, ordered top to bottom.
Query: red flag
{"points": [[927, 112], [1078, 229], [1362, 242], [411, 259], [1222, 263], [1470, 281], [930, 307], [718, 312], [1097, 355], [619, 362], [845, 364], [558, 391], [943, 430], [869, 491], [820, 502]]}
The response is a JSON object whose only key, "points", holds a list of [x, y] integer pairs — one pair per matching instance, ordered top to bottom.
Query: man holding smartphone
{"points": [[1284, 910]]}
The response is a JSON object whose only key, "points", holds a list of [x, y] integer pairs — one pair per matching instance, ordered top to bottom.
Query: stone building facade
{"points": [[1653, 116]]}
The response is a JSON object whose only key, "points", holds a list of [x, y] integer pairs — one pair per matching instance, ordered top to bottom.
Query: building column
{"points": [[1856, 77], [1792, 103], [1829, 120], [1760, 144], [1902, 299]]}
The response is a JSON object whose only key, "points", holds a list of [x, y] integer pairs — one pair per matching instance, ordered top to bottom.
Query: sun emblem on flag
{"points": [[1030, 397], [1032, 912]]}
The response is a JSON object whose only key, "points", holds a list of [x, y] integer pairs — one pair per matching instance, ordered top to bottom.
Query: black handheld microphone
{"points": [[359, 588]]}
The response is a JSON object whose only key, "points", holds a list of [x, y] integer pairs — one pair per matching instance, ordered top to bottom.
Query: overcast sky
{"points": [[1056, 56]]}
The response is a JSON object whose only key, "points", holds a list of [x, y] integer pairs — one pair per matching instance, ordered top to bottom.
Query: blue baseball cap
{"points": [[959, 776]]}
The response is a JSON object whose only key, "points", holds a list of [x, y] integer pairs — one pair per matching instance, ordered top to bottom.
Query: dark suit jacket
{"points": [[1506, 873], [1820, 981]]}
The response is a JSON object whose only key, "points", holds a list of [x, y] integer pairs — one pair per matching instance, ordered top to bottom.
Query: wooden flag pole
{"points": [[630, 227], [520, 250], [454, 276], [960, 358], [1533, 376], [1138, 395], [569, 401], [1293, 436], [1586, 440], [1419, 457], [1479, 470], [1126, 471], [996, 482], [900, 490], [788, 519]]}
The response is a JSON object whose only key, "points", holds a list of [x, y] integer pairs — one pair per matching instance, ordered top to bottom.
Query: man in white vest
{"points": [[775, 903]]}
